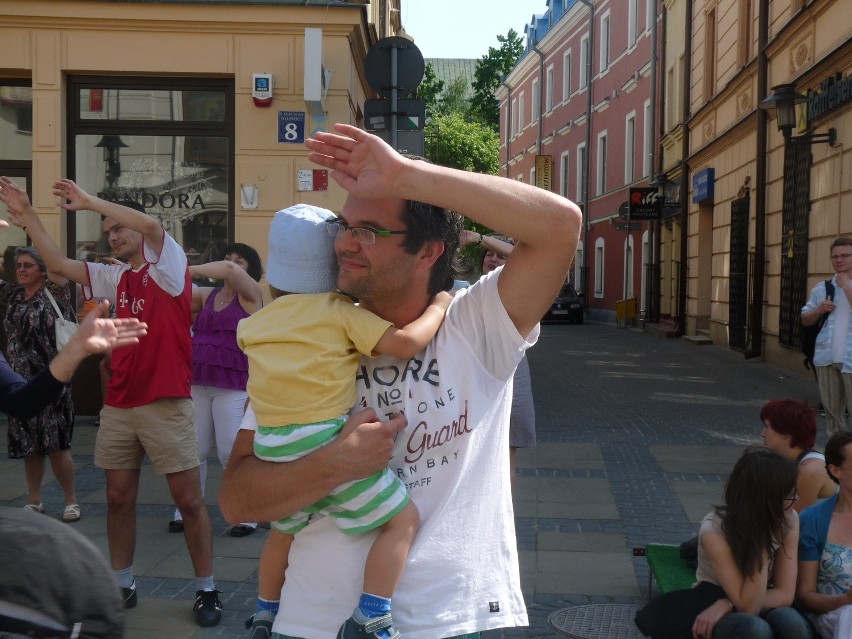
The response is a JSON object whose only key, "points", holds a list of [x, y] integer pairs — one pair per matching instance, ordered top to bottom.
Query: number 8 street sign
{"points": [[291, 127]]}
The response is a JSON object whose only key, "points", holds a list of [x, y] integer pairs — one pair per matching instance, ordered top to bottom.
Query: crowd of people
{"points": [[398, 417]]}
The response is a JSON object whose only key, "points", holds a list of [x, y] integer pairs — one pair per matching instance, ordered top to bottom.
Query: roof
{"points": [[448, 69]]}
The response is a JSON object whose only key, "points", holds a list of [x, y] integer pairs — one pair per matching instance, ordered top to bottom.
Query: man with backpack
{"points": [[829, 307]]}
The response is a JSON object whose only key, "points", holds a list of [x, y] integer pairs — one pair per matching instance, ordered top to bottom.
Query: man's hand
{"points": [[363, 164], [72, 197], [16, 201], [365, 445]]}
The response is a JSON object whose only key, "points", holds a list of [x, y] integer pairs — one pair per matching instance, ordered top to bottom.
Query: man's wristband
{"points": [[479, 243]]}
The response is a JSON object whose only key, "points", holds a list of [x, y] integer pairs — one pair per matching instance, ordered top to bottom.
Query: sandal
{"points": [[36, 508], [71, 513], [176, 526], [241, 530]]}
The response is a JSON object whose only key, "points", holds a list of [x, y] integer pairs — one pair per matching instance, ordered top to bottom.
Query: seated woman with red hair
{"points": [[789, 428]]}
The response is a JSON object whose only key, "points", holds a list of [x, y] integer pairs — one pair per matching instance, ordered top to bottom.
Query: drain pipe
{"points": [[540, 95], [509, 131], [587, 172], [684, 174], [754, 347]]}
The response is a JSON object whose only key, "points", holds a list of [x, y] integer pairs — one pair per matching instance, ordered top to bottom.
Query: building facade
{"points": [[579, 106], [197, 111], [764, 204]]}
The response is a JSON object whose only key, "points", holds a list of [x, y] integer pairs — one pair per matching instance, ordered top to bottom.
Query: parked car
{"points": [[567, 307]]}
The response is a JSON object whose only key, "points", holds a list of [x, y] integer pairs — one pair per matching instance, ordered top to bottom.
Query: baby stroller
{"points": [[54, 582]]}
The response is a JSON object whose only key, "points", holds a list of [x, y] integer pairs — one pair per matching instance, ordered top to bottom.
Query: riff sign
{"points": [[645, 203]]}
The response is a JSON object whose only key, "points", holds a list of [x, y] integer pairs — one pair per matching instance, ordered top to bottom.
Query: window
{"points": [[651, 14], [632, 22], [745, 32], [604, 47], [709, 54], [584, 61], [566, 75], [548, 90], [671, 97], [536, 101], [16, 114], [514, 118], [521, 122], [647, 139], [164, 143], [630, 148], [16, 158], [601, 164], [581, 172], [563, 174], [532, 177], [628, 262], [578, 267], [599, 267]]}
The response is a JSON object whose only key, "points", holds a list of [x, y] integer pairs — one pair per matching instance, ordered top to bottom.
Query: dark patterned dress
{"points": [[31, 333]]}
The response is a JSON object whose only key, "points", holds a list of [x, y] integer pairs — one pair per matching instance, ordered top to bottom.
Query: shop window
{"points": [[16, 122], [165, 144]]}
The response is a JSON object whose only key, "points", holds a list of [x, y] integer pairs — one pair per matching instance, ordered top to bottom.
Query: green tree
{"points": [[487, 74], [430, 90], [456, 98], [453, 141]]}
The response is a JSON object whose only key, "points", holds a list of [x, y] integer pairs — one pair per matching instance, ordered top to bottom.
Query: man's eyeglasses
{"points": [[337, 226], [841, 256]]}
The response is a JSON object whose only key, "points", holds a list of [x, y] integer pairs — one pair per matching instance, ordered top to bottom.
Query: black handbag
{"points": [[671, 615]]}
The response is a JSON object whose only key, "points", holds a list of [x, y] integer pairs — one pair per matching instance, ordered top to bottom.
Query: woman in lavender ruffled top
{"points": [[219, 367]]}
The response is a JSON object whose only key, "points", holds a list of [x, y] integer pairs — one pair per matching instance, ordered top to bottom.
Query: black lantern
{"points": [[783, 101], [111, 144]]}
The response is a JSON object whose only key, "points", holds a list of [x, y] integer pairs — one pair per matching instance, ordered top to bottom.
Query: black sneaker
{"points": [[128, 596], [208, 608], [260, 624], [378, 628]]}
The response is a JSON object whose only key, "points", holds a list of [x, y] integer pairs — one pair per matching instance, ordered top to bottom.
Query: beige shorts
{"points": [[164, 429]]}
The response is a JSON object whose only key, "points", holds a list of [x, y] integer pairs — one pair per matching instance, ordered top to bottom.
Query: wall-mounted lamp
{"points": [[783, 101], [667, 188]]}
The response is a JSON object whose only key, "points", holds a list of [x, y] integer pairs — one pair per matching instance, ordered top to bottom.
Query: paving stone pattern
{"points": [[636, 437]]}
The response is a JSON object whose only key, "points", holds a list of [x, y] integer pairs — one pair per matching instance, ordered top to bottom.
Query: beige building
{"points": [[153, 102], [196, 110], [761, 206]]}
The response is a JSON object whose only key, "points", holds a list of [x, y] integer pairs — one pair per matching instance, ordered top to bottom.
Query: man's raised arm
{"points": [[73, 198], [22, 214], [545, 226]]}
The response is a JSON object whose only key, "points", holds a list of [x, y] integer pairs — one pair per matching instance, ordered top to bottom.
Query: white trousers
{"points": [[218, 413]]}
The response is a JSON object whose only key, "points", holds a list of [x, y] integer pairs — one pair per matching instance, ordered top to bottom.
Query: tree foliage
{"points": [[496, 64], [430, 90], [453, 141]]}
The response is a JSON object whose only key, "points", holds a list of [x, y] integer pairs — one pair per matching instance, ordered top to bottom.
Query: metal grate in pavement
{"points": [[596, 621]]}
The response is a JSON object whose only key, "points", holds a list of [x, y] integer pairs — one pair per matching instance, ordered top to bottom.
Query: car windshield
{"points": [[567, 291]]}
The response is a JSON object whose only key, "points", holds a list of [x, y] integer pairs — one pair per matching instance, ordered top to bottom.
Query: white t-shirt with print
{"points": [[462, 574]]}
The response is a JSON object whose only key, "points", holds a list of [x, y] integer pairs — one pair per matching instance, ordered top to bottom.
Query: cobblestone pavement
{"points": [[636, 437]]}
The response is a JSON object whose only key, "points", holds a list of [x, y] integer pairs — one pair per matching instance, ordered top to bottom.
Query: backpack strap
{"points": [[829, 290]]}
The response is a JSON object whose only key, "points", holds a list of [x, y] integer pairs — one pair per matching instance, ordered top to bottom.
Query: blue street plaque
{"points": [[291, 127]]}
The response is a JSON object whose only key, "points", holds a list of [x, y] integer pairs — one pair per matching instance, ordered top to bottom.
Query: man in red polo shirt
{"points": [[147, 409]]}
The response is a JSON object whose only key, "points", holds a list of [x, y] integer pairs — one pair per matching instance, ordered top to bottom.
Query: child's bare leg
{"points": [[389, 552], [273, 563], [270, 576]]}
